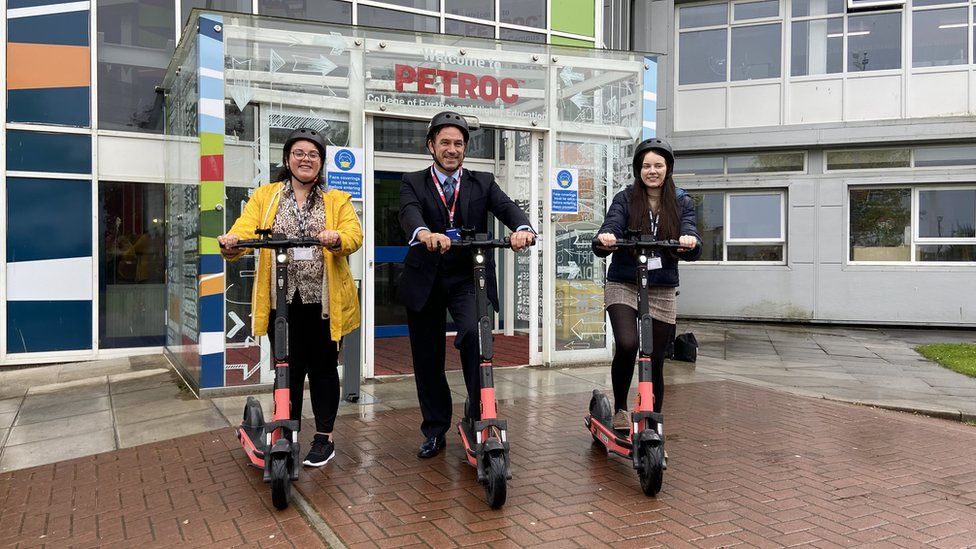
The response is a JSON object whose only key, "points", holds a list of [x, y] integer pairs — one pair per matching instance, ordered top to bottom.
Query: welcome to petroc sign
{"points": [[441, 79]]}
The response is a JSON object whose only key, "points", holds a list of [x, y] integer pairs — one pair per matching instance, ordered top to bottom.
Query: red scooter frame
{"points": [[646, 431], [273, 446], [488, 452]]}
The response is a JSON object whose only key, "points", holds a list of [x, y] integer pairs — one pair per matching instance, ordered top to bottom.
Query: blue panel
{"points": [[13, 4], [207, 23], [68, 29], [211, 88], [650, 105], [65, 106], [211, 124], [48, 152], [48, 219], [390, 254], [211, 264], [212, 313], [38, 326], [396, 330], [212, 370]]}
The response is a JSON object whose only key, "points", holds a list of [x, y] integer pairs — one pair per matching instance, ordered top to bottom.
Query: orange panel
{"points": [[33, 66], [210, 284]]}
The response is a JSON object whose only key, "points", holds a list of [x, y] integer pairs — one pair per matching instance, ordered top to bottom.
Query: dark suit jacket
{"points": [[421, 206]]}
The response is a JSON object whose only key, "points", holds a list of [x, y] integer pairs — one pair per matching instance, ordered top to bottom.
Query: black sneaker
{"points": [[322, 451]]}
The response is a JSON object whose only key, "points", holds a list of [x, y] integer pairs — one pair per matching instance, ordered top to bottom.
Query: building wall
{"points": [[82, 197], [832, 269]]}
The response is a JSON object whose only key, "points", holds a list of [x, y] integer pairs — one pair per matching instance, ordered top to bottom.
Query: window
{"points": [[481, 9], [328, 11], [527, 13], [392, 19], [465, 28], [818, 35], [940, 36], [874, 42], [135, 43], [705, 53], [920, 157], [735, 164], [924, 224], [742, 226], [131, 265]]}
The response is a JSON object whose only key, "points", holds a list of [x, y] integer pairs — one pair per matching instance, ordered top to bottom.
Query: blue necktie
{"points": [[449, 190]]}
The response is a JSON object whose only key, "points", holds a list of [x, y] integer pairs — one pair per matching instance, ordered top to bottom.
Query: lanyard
{"points": [[440, 191], [302, 215], [654, 222]]}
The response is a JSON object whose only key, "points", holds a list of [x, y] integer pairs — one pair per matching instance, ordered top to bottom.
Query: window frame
{"points": [[727, 241], [916, 241]]}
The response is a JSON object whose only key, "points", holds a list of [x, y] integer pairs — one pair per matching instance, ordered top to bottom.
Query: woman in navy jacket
{"points": [[654, 206]]}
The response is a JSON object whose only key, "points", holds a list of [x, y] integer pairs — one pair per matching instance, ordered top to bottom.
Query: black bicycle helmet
{"points": [[447, 118], [300, 134], [653, 144]]}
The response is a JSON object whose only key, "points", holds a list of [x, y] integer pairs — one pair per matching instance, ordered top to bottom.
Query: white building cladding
{"points": [[831, 148]]}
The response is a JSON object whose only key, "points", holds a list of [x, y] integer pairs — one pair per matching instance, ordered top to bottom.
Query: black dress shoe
{"points": [[431, 447]]}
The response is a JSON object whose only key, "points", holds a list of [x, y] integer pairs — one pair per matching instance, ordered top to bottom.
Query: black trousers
{"points": [[623, 321], [427, 340], [311, 352]]}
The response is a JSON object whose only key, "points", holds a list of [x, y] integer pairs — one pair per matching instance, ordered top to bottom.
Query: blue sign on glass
{"points": [[344, 170], [564, 189]]}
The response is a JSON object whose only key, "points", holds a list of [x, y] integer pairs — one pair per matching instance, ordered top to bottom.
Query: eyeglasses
{"points": [[299, 155]]}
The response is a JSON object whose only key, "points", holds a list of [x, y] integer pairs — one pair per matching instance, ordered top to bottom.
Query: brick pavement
{"points": [[392, 354], [749, 467], [189, 492]]}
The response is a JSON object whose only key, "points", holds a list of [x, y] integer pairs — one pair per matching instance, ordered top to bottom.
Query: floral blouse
{"points": [[306, 277]]}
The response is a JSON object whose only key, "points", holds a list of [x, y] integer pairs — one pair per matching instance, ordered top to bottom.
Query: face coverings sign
{"points": [[344, 170], [565, 190]]}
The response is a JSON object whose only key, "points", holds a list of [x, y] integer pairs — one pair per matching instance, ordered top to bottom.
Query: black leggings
{"points": [[623, 321], [311, 352]]}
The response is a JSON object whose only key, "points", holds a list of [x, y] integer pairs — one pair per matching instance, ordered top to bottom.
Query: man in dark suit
{"points": [[435, 203]]}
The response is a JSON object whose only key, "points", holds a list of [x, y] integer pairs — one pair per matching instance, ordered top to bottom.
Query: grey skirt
{"points": [[661, 299]]}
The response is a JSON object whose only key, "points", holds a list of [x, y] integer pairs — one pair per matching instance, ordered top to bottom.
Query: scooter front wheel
{"points": [[651, 471], [280, 482], [496, 488]]}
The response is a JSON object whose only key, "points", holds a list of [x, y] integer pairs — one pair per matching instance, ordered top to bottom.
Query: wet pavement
{"points": [[760, 455]]}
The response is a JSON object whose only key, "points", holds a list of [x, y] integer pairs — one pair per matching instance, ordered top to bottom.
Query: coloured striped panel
{"points": [[69, 29], [650, 98], [65, 106], [48, 152], [211, 192], [48, 219], [68, 279], [40, 326]]}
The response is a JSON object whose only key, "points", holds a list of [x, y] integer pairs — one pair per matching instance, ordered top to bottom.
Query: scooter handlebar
{"points": [[279, 241], [475, 242], [646, 244]]}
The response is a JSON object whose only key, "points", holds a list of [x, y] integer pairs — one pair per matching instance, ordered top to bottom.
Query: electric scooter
{"points": [[485, 441], [643, 441], [273, 446]]}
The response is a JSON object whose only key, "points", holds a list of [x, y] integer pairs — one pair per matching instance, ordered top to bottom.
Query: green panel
{"points": [[575, 16], [563, 41], [211, 143], [211, 194], [211, 224], [209, 245]]}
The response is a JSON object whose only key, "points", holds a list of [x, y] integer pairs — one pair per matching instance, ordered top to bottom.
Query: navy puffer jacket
{"points": [[623, 264]]}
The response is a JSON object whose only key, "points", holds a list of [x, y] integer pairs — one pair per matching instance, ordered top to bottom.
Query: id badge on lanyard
{"points": [[450, 211], [653, 260]]}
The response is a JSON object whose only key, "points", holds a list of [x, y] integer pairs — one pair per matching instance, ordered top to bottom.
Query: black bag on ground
{"points": [[686, 347]]}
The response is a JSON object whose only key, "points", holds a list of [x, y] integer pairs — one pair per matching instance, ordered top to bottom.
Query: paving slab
{"points": [[35, 410], [170, 427], [56, 429], [19, 454], [740, 474]]}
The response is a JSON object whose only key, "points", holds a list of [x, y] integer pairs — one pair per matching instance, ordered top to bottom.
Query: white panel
{"points": [[938, 94], [873, 97], [816, 101], [755, 106], [700, 109], [128, 159], [239, 167], [801, 192], [831, 192], [831, 235], [800, 236], [50, 280], [761, 292], [896, 294], [211, 342]]}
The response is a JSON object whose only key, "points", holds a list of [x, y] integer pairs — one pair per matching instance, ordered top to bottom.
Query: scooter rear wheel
{"points": [[651, 472], [280, 482], [496, 488]]}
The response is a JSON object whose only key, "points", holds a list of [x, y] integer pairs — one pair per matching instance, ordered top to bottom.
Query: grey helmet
{"points": [[447, 118], [653, 144]]}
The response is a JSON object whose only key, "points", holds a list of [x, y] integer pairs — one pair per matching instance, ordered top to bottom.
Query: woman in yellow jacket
{"points": [[322, 303]]}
